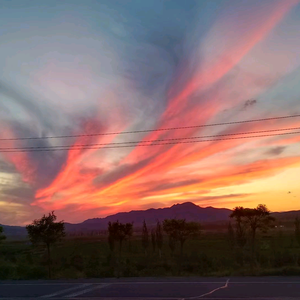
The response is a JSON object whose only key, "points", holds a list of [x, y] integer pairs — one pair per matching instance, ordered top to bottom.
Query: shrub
{"points": [[77, 262], [92, 268], [6, 270], [68, 273]]}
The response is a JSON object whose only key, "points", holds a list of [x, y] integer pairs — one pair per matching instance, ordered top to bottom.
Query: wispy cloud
{"points": [[129, 70]]}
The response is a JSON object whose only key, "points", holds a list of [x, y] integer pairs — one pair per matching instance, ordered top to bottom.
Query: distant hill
{"points": [[187, 210], [287, 214], [286, 219], [14, 231]]}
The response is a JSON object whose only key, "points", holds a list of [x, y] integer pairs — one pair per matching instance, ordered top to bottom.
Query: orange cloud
{"points": [[204, 110], [20, 160], [162, 163]]}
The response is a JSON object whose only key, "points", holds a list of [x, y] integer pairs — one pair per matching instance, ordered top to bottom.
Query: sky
{"points": [[85, 76]]}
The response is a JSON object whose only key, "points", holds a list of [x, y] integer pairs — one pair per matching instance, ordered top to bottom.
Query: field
{"points": [[211, 254]]}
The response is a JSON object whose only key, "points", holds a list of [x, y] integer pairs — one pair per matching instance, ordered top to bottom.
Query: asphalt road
{"points": [[256, 288]]}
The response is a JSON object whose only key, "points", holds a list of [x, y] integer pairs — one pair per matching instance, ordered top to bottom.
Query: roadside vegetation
{"points": [[249, 244]]}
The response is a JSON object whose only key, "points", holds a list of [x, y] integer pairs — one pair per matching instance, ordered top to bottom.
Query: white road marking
{"points": [[95, 287], [66, 290], [209, 293]]}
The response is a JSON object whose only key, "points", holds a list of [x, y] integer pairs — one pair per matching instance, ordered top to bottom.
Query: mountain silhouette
{"points": [[188, 211]]}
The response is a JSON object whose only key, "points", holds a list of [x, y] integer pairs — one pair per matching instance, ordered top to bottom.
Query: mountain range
{"points": [[187, 210]]}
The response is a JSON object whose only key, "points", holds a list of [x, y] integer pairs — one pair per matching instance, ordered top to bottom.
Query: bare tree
{"points": [[46, 231]]}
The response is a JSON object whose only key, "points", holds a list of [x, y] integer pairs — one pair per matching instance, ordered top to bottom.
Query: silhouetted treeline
{"points": [[253, 245]]}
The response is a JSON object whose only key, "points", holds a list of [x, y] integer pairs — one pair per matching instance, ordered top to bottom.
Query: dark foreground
{"points": [[256, 288]]}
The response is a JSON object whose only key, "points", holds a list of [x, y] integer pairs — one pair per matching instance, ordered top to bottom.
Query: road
{"points": [[250, 288]]}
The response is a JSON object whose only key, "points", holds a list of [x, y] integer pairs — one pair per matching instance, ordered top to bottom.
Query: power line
{"points": [[151, 130], [149, 141], [155, 144]]}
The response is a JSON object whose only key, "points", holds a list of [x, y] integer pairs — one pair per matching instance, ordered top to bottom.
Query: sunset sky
{"points": [[82, 68]]}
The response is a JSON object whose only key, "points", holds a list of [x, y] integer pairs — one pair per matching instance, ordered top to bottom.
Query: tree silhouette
{"points": [[253, 219], [257, 219], [113, 229], [180, 230], [297, 230], [46, 231], [119, 232], [240, 234], [2, 236], [231, 236], [145, 237], [159, 237], [153, 240], [111, 242], [172, 244]]}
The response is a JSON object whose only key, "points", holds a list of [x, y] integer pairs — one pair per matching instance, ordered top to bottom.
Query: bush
{"points": [[207, 256], [11, 257], [29, 258], [282, 258], [77, 262], [205, 264], [92, 268], [129, 269], [6, 270], [27, 271], [285, 271], [68, 273]]}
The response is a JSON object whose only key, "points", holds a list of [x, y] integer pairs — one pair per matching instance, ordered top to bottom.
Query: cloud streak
{"points": [[125, 78]]}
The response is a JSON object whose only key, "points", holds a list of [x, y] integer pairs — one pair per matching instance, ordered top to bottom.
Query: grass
{"points": [[209, 255]]}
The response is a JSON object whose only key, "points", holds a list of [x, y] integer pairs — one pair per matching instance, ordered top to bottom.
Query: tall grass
{"points": [[210, 255]]}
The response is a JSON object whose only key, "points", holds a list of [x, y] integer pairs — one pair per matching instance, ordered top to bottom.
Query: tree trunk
{"points": [[253, 241], [129, 245], [253, 246], [181, 248], [120, 249], [159, 252], [181, 256], [296, 259], [49, 260], [117, 267]]}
